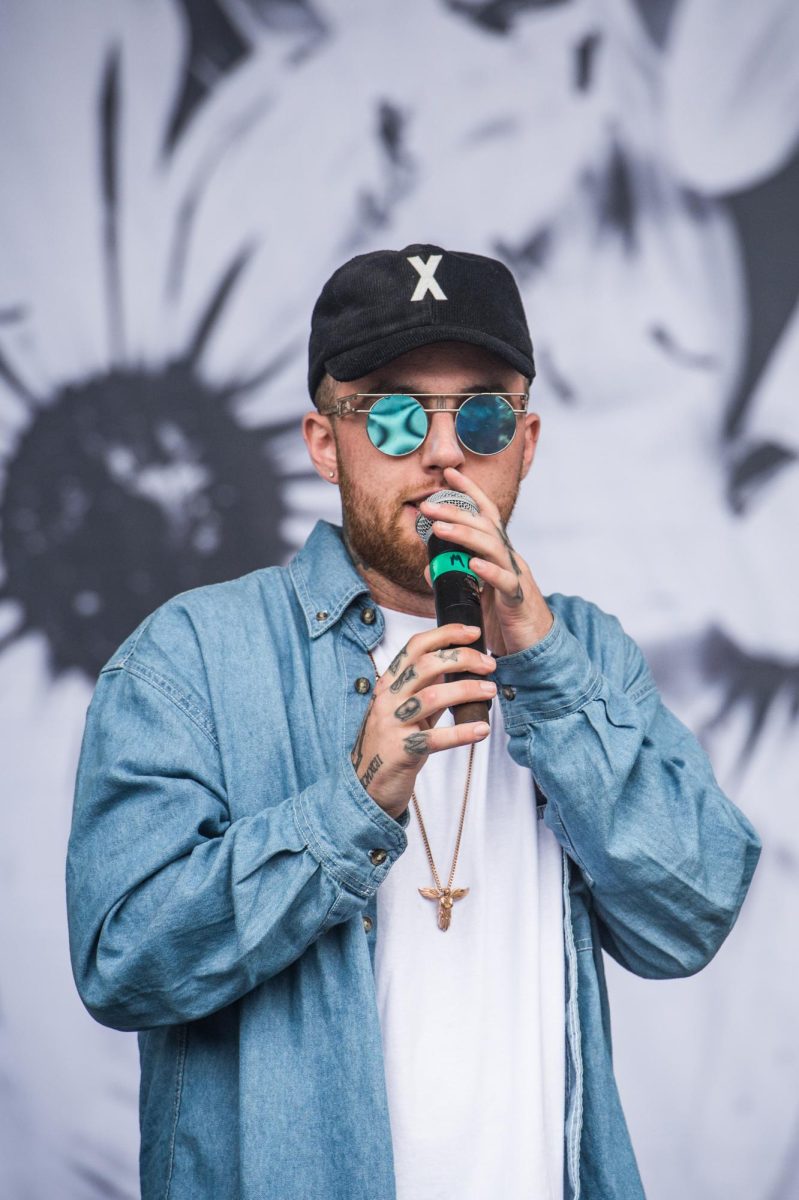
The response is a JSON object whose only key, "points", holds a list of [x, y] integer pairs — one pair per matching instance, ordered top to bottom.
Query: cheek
{"points": [[499, 475], [375, 478], [500, 479]]}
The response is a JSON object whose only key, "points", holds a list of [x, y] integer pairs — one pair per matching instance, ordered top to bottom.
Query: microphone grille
{"points": [[424, 526]]}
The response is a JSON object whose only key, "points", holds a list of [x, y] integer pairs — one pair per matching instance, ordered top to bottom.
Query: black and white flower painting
{"points": [[179, 177]]}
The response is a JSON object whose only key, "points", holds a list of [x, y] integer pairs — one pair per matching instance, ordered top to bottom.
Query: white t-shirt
{"points": [[473, 1019]]}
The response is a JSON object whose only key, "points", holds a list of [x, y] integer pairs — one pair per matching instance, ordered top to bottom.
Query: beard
{"points": [[378, 537]]}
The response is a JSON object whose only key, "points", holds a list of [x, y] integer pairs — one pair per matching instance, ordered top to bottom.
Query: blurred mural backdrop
{"points": [[177, 179]]}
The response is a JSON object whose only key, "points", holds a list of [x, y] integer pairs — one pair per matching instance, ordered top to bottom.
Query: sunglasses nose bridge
{"points": [[484, 423], [442, 446]]}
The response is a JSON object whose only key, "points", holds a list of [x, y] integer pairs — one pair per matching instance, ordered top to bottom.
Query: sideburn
{"points": [[376, 543]]}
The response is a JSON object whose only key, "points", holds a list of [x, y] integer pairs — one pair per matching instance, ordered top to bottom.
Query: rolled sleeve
{"points": [[551, 678], [630, 794], [351, 836]]}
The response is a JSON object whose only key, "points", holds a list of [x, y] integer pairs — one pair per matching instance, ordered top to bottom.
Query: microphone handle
{"points": [[457, 598]]}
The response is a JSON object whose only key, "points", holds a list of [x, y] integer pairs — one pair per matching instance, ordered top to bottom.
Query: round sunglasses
{"points": [[397, 424]]}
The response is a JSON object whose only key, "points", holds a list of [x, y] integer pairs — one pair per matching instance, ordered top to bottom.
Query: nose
{"points": [[441, 447]]}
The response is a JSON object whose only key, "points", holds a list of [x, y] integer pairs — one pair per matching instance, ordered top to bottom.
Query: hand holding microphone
{"points": [[456, 590], [515, 613], [400, 728]]}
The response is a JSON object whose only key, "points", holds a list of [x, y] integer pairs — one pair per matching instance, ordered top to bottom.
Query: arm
{"points": [[631, 796], [176, 910]]}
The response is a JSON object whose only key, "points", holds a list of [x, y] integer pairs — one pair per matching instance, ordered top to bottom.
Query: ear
{"points": [[532, 428], [318, 434]]}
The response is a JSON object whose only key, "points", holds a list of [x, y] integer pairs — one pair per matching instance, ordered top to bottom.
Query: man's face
{"points": [[380, 495]]}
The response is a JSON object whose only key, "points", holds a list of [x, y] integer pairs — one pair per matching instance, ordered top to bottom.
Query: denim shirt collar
{"points": [[324, 578]]}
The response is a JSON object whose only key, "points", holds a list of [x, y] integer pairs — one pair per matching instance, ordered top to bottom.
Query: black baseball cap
{"points": [[380, 305]]}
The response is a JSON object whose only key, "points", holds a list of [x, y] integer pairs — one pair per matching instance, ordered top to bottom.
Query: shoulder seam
{"points": [[120, 662], [643, 690], [198, 715]]}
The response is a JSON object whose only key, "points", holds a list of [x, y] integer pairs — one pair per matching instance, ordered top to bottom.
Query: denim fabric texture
{"points": [[219, 872]]}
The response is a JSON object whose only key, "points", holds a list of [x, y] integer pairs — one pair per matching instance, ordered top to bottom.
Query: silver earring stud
{"points": [[330, 474]]}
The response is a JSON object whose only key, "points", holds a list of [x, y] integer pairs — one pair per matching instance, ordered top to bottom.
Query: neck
{"points": [[388, 594], [391, 595]]}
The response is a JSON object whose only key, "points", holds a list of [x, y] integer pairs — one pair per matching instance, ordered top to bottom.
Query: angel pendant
{"points": [[446, 897]]}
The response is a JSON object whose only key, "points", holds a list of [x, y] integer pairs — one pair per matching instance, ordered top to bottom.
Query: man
{"points": [[363, 943]]}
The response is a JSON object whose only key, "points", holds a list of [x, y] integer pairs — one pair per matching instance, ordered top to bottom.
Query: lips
{"points": [[423, 496]]}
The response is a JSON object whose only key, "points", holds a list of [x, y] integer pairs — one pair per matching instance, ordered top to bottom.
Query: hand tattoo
{"points": [[518, 595], [447, 655], [393, 666], [407, 675], [408, 709], [416, 745], [356, 757], [371, 770]]}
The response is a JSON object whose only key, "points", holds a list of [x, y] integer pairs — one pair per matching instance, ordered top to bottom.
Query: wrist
{"points": [[523, 636]]}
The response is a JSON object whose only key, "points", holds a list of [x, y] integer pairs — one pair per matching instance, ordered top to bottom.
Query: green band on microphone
{"points": [[450, 560]]}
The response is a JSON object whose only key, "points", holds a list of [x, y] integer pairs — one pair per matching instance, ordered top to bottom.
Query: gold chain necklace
{"points": [[446, 896]]}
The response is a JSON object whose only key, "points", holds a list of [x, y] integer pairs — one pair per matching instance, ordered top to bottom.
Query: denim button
{"points": [[322, 615], [368, 616], [362, 685], [509, 692], [378, 856], [367, 924]]}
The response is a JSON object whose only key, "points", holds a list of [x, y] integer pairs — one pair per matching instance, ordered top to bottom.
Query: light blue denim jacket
{"points": [[220, 869]]}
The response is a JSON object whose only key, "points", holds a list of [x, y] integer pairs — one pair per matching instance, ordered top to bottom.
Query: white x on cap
{"points": [[427, 281]]}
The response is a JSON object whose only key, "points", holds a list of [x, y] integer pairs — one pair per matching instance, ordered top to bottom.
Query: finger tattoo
{"points": [[447, 654], [393, 666], [407, 675], [409, 708], [416, 745], [371, 770]]}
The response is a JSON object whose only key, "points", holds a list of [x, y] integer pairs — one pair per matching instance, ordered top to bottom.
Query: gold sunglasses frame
{"points": [[343, 407]]}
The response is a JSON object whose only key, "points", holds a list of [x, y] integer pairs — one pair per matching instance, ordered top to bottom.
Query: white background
{"points": [[634, 164]]}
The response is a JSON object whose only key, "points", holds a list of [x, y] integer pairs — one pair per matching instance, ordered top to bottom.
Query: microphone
{"points": [[456, 591]]}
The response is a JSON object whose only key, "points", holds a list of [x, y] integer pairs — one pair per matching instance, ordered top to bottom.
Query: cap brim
{"points": [[362, 360]]}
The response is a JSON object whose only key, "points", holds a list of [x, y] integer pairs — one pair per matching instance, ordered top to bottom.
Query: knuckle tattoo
{"points": [[447, 654], [394, 665], [407, 675], [409, 708], [416, 745]]}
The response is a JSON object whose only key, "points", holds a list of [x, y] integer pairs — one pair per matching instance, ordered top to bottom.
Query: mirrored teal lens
{"points": [[396, 424], [485, 424]]}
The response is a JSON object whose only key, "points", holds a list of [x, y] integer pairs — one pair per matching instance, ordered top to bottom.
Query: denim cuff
{"points": [[549, 679], [354, 839]]}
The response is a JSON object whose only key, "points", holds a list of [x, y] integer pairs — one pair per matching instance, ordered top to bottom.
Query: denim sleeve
{"points": [[632, 798], [175, 910]]}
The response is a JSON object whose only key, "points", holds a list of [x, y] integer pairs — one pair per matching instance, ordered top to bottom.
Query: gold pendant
{"points": [[446, 897]]}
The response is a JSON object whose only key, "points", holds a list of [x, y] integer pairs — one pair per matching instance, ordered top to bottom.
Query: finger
{"points": [[462, 483], [449, 511], [456, 516], [483, 543], [506, 583], [431, 639], [420, 644], [450, 660], [454, 660], [436, 698], [449, 736]]}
